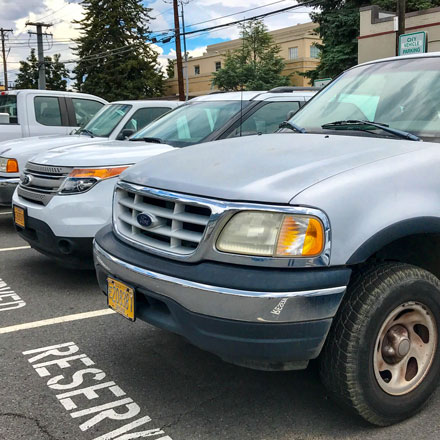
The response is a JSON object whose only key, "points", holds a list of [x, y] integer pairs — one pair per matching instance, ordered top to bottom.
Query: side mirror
{"points": [[4, 118], [125, 133]]}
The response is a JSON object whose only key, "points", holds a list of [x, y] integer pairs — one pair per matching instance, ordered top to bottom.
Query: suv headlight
{"points": [[8, 165], [82, 179], [272, 234]]}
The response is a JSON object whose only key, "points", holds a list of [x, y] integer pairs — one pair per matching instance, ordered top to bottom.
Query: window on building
{"points": [[314, 52], [293, 53], [218, 65], [197, 70], [47, 110]]}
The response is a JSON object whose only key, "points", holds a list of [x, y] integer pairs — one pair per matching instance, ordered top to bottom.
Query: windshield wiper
{"points": [[359, 124], [292, 126], [90, 133], [153, 140]]}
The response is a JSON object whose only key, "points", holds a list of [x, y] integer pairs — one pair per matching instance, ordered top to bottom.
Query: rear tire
{"points": [[382, 355]]}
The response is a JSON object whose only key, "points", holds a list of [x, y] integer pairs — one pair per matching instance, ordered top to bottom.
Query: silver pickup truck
{"points": [[321, 240]]}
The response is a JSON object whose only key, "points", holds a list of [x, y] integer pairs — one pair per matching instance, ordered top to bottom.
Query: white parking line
{"points": [[6, 213], [14, 248], [59, 320]]}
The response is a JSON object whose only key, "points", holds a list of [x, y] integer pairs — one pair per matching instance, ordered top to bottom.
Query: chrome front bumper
{"points": [[7, 188], [226, 303]]}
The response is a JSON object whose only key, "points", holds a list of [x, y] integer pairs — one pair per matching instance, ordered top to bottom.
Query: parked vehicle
{"points": [[39, 112], [115, 121], [65, 195], [321, 240]]}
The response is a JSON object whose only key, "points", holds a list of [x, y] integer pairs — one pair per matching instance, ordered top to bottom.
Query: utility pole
{"points": [[401, 9], [178, 51], [185, 54], [41, 63], [5, 67]]}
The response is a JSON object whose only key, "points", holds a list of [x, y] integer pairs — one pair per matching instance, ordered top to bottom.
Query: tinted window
{"points": [[8, 104], [85, 109], [47, 110], [143, 117], [266, 119], [106, 120], [192, 123]]}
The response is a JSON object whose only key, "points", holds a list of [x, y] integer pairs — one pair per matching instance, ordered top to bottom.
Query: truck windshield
{"points": [[402, 93], [8, 105], [106, 120], [192, 123]]}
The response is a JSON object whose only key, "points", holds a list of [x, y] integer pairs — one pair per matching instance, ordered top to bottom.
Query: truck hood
{"points": [[34, 145], [98, 155], [268, 168]]}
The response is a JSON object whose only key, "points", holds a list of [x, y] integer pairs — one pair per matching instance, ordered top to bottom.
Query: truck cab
{"points": [[39, 112]]}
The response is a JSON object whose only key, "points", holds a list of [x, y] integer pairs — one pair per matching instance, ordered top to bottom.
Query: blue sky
{"points": [[60, 13]]}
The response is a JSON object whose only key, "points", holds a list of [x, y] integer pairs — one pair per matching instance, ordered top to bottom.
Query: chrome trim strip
{"points": [[7, 181], [222, 211], [222, 302]]}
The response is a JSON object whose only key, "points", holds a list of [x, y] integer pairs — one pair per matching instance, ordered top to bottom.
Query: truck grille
{"points": [[39, 183], [177, 226]]}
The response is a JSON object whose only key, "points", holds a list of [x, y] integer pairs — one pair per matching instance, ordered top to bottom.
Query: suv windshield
{"points": [[402, 93], [8, 104], [106, 120], [192, 123]]}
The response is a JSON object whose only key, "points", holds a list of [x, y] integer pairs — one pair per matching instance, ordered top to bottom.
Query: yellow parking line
{"points": [[59, 320]]}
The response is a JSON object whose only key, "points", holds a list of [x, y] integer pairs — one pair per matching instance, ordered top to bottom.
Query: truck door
{"points": [[47, 114], [9, 125]]}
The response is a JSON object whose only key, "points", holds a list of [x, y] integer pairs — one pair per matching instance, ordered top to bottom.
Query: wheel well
{"points": [[422, 250]]}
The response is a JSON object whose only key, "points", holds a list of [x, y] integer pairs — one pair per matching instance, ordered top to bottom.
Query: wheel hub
{"points": [[396, 344], [405, 348]]}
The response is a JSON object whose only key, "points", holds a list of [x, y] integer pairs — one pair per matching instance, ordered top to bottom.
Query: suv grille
{"points": [[39, 183], [176, 227]]}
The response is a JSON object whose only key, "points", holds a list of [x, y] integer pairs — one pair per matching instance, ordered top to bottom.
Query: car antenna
{"points": [[241, 90]]}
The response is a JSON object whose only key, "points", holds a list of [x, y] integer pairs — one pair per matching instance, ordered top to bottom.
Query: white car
{"points": [[115, 121], [65, 194]]}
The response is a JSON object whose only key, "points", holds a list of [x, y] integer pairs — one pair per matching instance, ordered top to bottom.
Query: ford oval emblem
{"points": [[27, 179], [145, 220]]}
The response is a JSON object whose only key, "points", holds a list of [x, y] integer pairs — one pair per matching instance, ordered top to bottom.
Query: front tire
{"points": [[382, 355]]}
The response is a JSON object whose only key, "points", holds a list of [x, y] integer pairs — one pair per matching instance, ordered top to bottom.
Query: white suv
{"points": [[65, 194]]}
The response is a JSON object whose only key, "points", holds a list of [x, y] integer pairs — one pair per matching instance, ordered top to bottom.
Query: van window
{"points": [[8, 104], [85, 109], [47, 110], [144, 116], [266, 119]]}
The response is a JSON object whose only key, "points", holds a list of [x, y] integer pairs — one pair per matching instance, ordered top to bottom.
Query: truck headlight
{"points": [[8, 165], [82, 179], [272, 234]]}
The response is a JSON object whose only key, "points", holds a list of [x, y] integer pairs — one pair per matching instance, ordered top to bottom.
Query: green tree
{"points": [[339, 28], [115, 61], [256, 65], [170, 67], [57, 74]]}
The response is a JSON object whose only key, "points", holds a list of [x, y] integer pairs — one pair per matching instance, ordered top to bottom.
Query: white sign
{"points": [[412, 43]]}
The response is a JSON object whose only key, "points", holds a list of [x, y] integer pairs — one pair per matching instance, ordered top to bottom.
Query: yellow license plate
{"points": [[19, 217], [121, 298]]}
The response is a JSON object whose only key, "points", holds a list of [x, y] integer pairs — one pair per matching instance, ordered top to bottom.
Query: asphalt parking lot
{"points": [[71, 370]]}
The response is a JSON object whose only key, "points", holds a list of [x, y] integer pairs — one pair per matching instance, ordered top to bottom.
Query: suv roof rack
{"points": [[284, 89]]}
